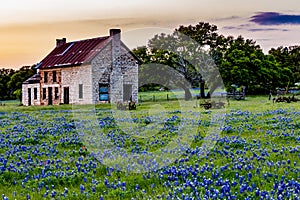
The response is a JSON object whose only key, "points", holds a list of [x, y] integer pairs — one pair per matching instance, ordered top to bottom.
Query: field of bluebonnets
{"points": [[256, 155]]}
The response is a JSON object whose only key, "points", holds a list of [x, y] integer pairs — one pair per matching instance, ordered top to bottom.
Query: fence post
{"points": [[167, 97], [141, 98], [154, 98]]}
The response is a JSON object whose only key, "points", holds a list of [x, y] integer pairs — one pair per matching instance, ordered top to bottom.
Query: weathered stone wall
{"points": [[129, 66], [101, 70], [122, 70], [72, 77], [116, 77], [52, 84], [24, 94], [25, 99]]}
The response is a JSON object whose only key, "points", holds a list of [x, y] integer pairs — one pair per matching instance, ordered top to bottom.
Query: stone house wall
{"points": [[101, 69], [122, 70], [130, 72], [72, 77], [116, 78], [50, 83], [25, 96]]}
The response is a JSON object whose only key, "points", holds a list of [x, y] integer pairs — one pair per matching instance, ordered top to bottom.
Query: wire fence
{"points": [[154, 96]]}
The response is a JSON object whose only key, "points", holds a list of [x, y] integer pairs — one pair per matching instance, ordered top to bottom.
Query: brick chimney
{"points": [[60, 42]]}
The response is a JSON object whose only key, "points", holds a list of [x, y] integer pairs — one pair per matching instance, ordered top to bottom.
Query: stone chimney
{"points": [[114, 31], [60, 42], [116, 42], [116, 77]]}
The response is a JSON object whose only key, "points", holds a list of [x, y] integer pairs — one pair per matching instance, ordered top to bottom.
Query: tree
{"points": [[184, 51], [196, 51], [289, 58], [243, 64], [5, 75], [16, 79], [18, 94]]}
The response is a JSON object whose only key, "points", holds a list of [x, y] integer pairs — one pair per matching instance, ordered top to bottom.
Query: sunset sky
{"points": [[28, 29]]}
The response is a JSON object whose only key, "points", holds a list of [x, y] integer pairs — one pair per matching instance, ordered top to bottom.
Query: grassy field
{"points": [[162, 150]]}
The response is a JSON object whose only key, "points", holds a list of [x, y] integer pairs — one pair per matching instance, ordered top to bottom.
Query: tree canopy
{"points": [[239, 61], [11, 81]]}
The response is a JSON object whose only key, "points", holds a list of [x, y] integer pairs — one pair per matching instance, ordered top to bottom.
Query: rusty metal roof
{"points": [[74, 53]]}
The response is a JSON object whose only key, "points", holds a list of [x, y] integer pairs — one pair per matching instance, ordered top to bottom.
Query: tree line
{"points": [[239, 61], [11, 81]]}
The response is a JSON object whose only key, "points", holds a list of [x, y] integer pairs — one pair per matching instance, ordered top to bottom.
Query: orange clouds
{"points": [[28, 44]]}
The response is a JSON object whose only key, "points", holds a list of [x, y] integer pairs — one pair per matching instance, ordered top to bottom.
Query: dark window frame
{"points": [[54, 74], [45, 77], [80, 91], [35, 93], [44, 93], [56, 93], [104, 93]]}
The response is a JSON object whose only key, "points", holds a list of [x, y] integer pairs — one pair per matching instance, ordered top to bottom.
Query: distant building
{"points": [[97, 70]]}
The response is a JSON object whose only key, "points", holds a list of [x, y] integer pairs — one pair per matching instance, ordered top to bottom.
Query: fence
{"points": [[165, 95]]}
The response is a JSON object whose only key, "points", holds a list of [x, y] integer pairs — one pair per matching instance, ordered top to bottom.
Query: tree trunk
{"points": [[202, 88], [187, 93]]}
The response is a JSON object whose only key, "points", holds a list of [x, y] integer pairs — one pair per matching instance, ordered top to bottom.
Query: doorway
{"points": [[127, 92], [49, 95], [66, 95], [29, 96]]}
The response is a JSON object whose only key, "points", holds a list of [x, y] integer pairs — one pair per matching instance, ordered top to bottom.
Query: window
{"points": [[54, 76], [45, 77], [80, 91], [103, 92], [34, 93], [44, 93], [56, 93]]}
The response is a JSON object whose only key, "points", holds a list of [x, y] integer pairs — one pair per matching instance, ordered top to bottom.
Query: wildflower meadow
{"points": [[44, 153]]}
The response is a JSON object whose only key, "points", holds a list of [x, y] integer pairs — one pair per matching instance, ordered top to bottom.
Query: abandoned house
{"points": [[98, 70]]}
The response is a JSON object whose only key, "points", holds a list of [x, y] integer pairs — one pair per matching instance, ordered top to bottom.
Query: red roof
{"points": [[74, 53]]}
